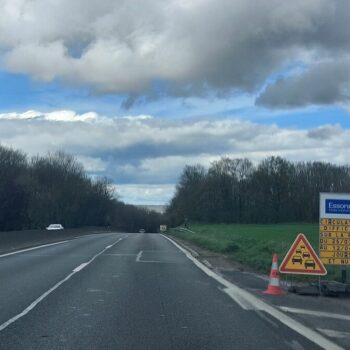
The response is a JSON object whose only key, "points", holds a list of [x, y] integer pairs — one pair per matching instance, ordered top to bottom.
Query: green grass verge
{"points": [[253, 245]]}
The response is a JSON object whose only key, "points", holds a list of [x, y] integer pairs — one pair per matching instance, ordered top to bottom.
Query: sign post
{"points": [[335, 230]]}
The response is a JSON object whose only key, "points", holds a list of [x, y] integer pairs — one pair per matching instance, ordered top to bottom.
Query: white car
{"points": [[55, 227], [142, 230]]}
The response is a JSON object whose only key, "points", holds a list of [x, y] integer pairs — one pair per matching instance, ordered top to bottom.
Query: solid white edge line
{"points": [[46, 245], [33, 248], [48, 292], [242, 302], [259, 304], [315, 313]]}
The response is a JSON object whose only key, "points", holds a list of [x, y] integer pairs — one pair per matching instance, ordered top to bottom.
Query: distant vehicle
{"points": [[54, 227], [142, 230], [306, 255], [297, 258], [309, 263]]}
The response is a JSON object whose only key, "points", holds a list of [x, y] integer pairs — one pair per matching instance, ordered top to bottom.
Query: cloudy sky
{"points": [[138, 89]]}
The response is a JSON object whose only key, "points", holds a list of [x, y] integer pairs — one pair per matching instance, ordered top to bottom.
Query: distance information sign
{"points": [[335, 228]]}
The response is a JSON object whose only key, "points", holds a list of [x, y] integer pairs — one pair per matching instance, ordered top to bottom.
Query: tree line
{"points": [[38, 191], [237, 191]]}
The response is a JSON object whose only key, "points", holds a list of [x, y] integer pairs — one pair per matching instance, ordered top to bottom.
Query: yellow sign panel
{"points": [[326, 221], [334, 228], [334, 235], [335, 241], [302, 259], [335, 261]]}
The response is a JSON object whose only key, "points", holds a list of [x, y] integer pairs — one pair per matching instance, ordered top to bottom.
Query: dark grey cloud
{"points": [[189, 47], [323, 84], [325, 132]]}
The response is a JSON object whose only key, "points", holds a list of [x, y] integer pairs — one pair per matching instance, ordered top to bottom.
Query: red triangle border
{"points": [[301, 237]]}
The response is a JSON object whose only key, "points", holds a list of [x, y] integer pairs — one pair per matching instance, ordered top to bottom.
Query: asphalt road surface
{"points": [[125, 291]]}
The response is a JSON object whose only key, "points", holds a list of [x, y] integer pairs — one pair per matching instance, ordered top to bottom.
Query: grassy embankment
{"points": [[253, 245]]}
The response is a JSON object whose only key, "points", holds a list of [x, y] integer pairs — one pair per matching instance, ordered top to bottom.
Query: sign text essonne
{"points": [[337, 206]]}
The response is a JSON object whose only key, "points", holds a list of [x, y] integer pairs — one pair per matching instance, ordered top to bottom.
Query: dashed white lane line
{"points": [[33, 248], [48, 292], [259, 304], [315, 313], [334, 334]]}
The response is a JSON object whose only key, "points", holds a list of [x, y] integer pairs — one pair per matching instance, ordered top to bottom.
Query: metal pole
{"points": [[319, 286]]}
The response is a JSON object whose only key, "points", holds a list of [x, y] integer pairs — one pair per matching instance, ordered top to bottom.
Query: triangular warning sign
{"points": [[302, 259]]}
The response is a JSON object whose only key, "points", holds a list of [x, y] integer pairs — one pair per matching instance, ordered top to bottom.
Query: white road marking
{"points": [[45, 245], [109, 246], [32, 248], [193, 252], [121, 254], [138, 257], [207, 263], [80, 267], [48, 292], [242, 302], [259, 304], [315, 313], [334, 334]]}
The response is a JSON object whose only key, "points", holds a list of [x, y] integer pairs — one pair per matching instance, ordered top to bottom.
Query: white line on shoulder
{"points": [[33, 248], [259, 304], [315, 313]]}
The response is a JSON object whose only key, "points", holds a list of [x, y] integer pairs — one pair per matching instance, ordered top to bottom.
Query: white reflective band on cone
{"points": [[274, 281]]}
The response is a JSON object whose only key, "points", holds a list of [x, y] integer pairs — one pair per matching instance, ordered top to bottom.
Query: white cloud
{"points": [[60, 116], [146, 151], [92, 165], [146, 193]]}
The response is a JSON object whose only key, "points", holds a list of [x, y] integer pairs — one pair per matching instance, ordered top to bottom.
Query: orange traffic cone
{"points": [[274, 287]]}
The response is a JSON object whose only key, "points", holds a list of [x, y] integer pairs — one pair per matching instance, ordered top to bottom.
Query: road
{"points": [[125, 291]]}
